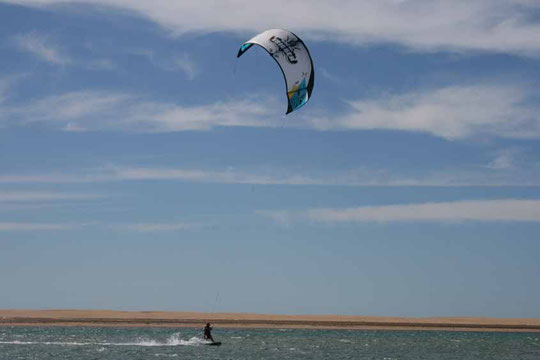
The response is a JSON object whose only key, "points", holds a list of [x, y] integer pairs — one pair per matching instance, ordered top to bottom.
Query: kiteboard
{"points": [[215, 343]]}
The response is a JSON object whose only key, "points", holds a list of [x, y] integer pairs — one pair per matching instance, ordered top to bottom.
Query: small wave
{"points": [[174, 340], [70, 343], [166, 355]]}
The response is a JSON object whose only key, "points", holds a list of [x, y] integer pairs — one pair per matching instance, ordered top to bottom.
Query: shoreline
{"points": [[111, 318]]}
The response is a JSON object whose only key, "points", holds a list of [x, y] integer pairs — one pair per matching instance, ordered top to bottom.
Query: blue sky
{"points": [[143, 166]]}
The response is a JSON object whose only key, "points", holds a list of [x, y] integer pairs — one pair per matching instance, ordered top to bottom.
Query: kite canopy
{"points": [[293, 58]]}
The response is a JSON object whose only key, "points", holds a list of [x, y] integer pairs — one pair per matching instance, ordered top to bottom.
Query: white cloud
{"points": [[492, 25], [42, 47], [46, 49], [181, 62], [188, 66], [328, 75], [101, 110], [453, 112], [504, 159], [112, 173], [519, 174], [208, 176], [51, 178], [43, 196], [472, 210], [23, 226], [142, 227], [157, 227]]}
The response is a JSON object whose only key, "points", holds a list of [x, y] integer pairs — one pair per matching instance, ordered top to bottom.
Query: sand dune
{"points": [[232, 320]]}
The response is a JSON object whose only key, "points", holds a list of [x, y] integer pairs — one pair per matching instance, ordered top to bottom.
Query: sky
{"points": [[144, 167]]}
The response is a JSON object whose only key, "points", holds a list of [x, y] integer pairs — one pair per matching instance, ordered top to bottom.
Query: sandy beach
{"points": [[239, 320]]}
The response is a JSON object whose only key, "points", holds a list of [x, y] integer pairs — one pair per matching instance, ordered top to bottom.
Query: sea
{"points": [[57, 343]]}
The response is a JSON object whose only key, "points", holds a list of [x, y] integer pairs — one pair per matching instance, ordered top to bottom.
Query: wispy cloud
{"points": [[500, 26], [42, 47], [48, 49], [182, 62], [187, 65], [328, 75], [102, 110], [453, 112], [504, 159], [112, 173], [525, 174], [228, 176], [51, 178], [43, 196], [17, 200], [473, 210], [27, 226], [140, 227], [157, 227]]}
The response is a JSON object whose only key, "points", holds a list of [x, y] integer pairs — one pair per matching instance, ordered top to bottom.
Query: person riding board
{"points": [[208, 332]]}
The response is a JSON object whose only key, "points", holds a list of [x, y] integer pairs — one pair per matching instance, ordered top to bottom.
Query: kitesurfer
{"points": [[208, 332]]}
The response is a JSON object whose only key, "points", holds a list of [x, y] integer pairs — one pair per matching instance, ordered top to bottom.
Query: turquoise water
{"points": [[57, 343]]}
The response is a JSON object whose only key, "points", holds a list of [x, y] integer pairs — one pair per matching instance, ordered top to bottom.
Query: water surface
{"points": [[106, 343]]}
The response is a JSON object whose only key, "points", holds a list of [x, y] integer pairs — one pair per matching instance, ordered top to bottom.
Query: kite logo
{"points": [[287, 47]]}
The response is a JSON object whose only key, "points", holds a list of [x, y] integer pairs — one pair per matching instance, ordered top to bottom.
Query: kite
{"points": [[294, 60]]}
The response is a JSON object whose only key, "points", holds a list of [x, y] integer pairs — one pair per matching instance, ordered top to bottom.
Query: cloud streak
{"points": [[486, 25], [42, 47], [45, 48], [182, 62], [188, 66], [111, 111], [454, 112], [504, 159], [123, 173], [522, 174], [43, 196], [457, 211], [26, 226], [142, 227], [157, 227]]}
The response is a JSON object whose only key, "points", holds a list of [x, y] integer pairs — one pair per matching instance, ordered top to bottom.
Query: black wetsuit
{"points": [[207, 333]]}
